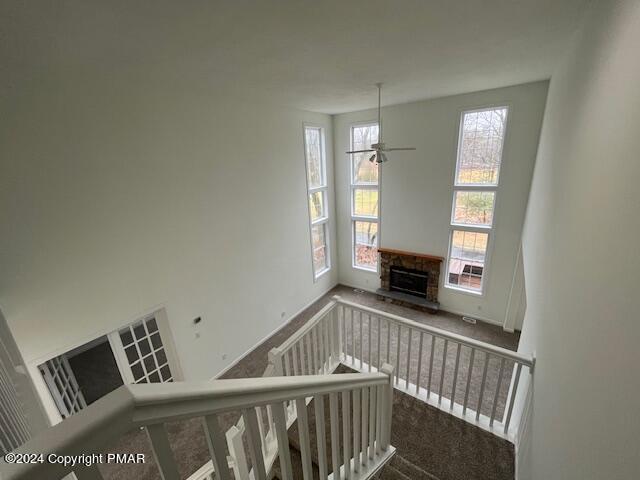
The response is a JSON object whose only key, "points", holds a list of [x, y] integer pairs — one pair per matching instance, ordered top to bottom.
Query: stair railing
{"points": [[364, 339], [152, 405]]}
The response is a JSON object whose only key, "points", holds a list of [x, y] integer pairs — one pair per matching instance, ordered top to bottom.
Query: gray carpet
{"points": [[189, 444], [430, 444]]}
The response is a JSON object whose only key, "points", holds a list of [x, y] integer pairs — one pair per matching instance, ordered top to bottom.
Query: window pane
{"points": [[362, 137], [480, 150], [315, 174], [365, 202], [316, 205], [473, 208], [366, 244], [319, 247], [466, 263]]}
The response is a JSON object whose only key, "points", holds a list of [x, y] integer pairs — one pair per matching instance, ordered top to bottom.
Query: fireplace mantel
{"points": [[410, 254]]}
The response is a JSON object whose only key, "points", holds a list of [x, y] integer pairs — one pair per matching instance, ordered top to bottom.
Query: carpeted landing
{"points": [[431, 445]]}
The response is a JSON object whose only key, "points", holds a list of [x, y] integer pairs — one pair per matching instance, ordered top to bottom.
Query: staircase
{"points": [[300, 420]]}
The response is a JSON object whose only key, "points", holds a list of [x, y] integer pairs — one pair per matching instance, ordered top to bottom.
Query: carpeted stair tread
{"points": [[296, 466], [408, 469]]}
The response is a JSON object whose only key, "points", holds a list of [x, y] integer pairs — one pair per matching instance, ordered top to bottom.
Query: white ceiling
{"points": [[322, 55]]}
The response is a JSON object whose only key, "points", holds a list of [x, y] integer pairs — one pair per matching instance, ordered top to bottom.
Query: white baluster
{"points": [[344, 333], [361, 338], [353, 339], [388, 341], [314, 342], [433, 348], [301, 352], [398, 355], [294, 358], [369, 360], [419, 363], [379, 364], [310, 365], [444, 366], [455, 376], [484, 380], [406, 384], [468, 389], [514, 390], [495, 397], [279, 417], [379, 420], [372, 421], [365, 425], [356, 431], [335, 434], [321, 435], [346, 435], [253, 440], [216, 441], [305, 444], [236, 450], [162, 452]]}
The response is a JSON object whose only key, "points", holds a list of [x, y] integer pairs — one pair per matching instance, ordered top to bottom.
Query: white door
{"points": [[142, 352], [63, 386]]}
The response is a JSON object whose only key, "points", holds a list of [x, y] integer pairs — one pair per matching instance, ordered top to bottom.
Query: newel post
{"points": [[276, 359], [387, 408]]}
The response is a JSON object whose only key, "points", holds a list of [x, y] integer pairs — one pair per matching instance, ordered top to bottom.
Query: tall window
{"points": [[474, 195], [317, 198], [364, 198]]}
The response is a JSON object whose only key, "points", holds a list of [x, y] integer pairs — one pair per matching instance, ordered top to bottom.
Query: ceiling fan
{"points": [[380, 148]]}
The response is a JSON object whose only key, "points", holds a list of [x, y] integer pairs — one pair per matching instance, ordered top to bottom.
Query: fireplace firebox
{"points": [[409, 278], [409, 281]]}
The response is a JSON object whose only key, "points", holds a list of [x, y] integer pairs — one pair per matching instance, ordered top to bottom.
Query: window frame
{"points": [[362, 186], [475, 187], [323, 189]]}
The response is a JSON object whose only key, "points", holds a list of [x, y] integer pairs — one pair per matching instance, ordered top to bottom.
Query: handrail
{"points": [[302, 331], [526, 360], [161, 402], [142, 405]]}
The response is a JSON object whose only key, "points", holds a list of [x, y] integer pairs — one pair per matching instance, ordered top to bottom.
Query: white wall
{"points": [[417, 187], [121, 190], [581, 259]]}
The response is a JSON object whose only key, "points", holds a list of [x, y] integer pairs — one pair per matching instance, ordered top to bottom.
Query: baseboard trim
{"points": [[443, 309], [272, 333]]}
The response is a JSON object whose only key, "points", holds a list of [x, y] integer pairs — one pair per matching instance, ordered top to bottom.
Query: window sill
{"points": [[365, 269], [321, 273], [474, 293]]}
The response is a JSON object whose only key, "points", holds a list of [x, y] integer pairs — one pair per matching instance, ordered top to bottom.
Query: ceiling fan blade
{"points": [[400, 148], [361, 151]]}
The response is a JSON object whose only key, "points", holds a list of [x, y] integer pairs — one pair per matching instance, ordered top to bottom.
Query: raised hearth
{"points": [[410, 277]]}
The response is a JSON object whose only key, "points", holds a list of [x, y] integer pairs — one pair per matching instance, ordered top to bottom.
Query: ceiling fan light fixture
{"points": [[379, 147]]}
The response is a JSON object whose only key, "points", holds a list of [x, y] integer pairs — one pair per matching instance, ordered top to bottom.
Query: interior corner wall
{"points": [[417, 188], [121, 191], [581, 259]]}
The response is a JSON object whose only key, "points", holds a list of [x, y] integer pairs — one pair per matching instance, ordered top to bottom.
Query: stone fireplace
{"points": [[410, 278]]}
